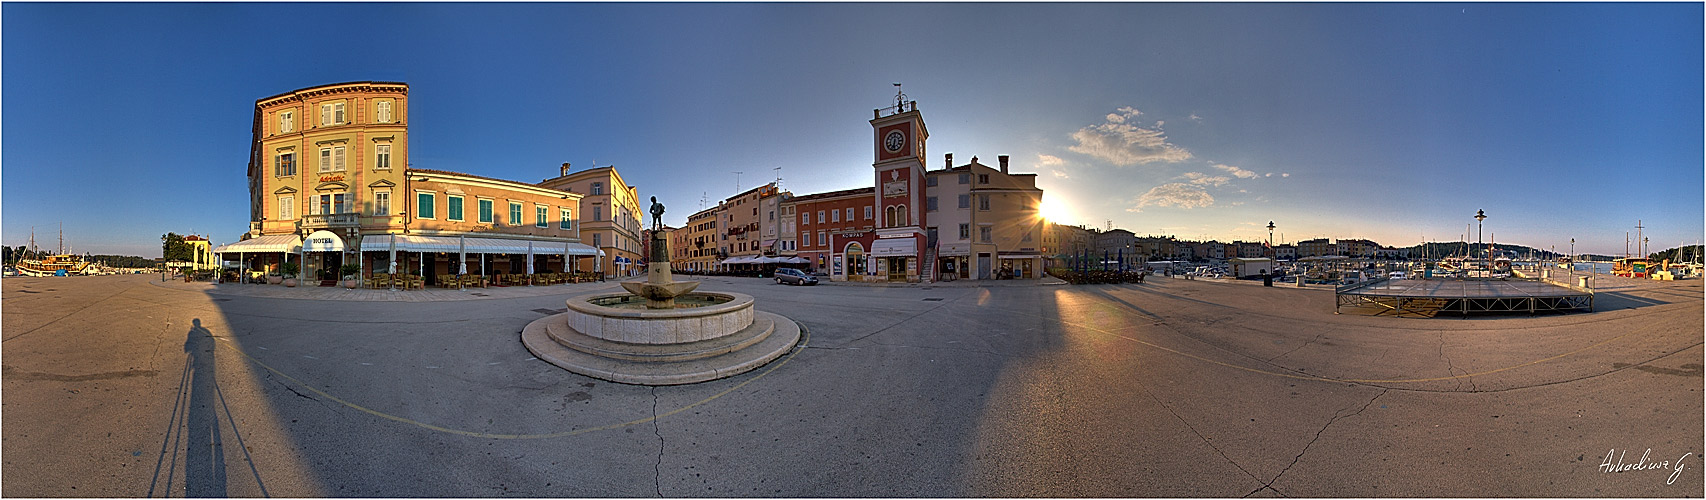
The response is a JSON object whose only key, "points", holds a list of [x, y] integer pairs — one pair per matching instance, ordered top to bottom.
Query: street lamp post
{"points": [[1481, 215], [1273, 251], [1572, 256]]}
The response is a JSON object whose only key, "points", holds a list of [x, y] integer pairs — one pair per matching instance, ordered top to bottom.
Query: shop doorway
{"points": [[982, 266], [897, 268]]}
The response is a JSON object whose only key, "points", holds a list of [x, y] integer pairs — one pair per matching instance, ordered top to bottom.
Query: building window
{"points": [[382, 111], [332, 113], [286, 122], [382, 156], [332, 159], [284, 165], [965, 178], [983, 178], [930, 181], [597, 188], [965, 201], [983, 202], [334, 203], [381, 203], [930, 204], [423, 205], [286, 207], [453, 208], [485, 211], [597, 213], [867, 213], [514, 214], [849, 214], [539, 215], [772, 215], [900, 215], [835, 216], [888, 216], [820, 218], [805, 219], [567, 221], [965, 231], [984, 233], [597, 239], [806, 240], [822, 240]]}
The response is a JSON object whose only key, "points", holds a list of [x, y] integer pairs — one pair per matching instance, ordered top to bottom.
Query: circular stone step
{"points": [[784, 335]]}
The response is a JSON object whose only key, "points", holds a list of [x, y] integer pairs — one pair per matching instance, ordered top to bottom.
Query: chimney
{"points": [[1003, 159], [950, 160], [565, 168]]}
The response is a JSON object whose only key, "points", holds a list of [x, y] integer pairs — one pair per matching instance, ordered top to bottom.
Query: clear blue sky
{"points": [[1393, 122]]}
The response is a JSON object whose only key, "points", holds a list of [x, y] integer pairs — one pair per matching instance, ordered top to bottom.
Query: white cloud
{"points": [[1196, 118], [1119, 140], [1053, 164], [1238, 172], [1270, 174], [1285, 175], [1202, 179], [1176, 194]]}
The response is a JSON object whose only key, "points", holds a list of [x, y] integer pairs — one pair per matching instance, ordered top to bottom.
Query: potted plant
{"points": [[290, 269], [351, 274], [274, 277]]}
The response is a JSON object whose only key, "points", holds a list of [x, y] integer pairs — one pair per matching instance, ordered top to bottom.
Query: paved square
{"points": [[123, 386]]}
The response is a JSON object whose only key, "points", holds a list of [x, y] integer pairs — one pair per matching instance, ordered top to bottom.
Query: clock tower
{"points": [[898, 135]]}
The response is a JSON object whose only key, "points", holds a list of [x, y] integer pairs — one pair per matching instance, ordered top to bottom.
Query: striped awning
{"points": [[278, 243], [452, 244]]}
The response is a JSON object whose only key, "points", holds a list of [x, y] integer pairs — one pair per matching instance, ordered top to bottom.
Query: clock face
{"points": [[894, 141]]}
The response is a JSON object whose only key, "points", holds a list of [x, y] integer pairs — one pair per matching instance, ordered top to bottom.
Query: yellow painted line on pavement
{"points": [[805, 336], [1351, 380]]}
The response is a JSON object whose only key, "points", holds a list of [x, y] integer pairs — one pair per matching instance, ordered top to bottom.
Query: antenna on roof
{"points": [[778, 178], [737, 181]]}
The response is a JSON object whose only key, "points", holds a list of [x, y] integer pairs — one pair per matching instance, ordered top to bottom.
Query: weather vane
{"points": [[899, 98]]}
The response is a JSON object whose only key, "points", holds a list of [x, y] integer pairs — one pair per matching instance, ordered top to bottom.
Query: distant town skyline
{"points": [[1388, 122]]}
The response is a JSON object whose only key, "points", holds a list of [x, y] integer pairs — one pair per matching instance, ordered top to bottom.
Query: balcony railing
{"points": [[324, 221]]}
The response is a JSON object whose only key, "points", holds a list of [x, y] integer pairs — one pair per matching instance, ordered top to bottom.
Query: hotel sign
{"points": [[323, 241]]}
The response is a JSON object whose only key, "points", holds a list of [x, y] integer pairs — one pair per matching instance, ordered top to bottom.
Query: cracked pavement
{"points": [[1168, 388]]}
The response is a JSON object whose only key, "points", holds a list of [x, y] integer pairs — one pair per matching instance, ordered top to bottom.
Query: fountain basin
{"points": [[711, 315]]}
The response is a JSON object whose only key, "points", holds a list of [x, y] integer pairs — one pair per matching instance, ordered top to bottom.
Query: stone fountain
{"points": [[661, 332]]}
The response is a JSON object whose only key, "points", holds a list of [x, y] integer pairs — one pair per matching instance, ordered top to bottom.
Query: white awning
{"points": [[323, 241], [278, 243], [450, 244], [895, 247]]}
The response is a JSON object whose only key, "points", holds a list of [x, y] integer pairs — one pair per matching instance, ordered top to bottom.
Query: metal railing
{"points": [[331, 220]]}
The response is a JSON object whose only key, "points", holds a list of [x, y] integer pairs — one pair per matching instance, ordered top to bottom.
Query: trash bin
{"points": [[1267, 279], [1300, 282]]}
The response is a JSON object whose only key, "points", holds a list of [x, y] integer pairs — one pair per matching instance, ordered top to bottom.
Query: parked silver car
{"points": [[794, 277]]}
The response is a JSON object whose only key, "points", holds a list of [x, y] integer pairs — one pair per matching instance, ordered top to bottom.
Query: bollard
{"points": [[1300, 282], [1583, 282]]}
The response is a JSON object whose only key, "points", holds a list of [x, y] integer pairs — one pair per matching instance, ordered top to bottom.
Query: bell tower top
{"points": [[899, 131]]}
